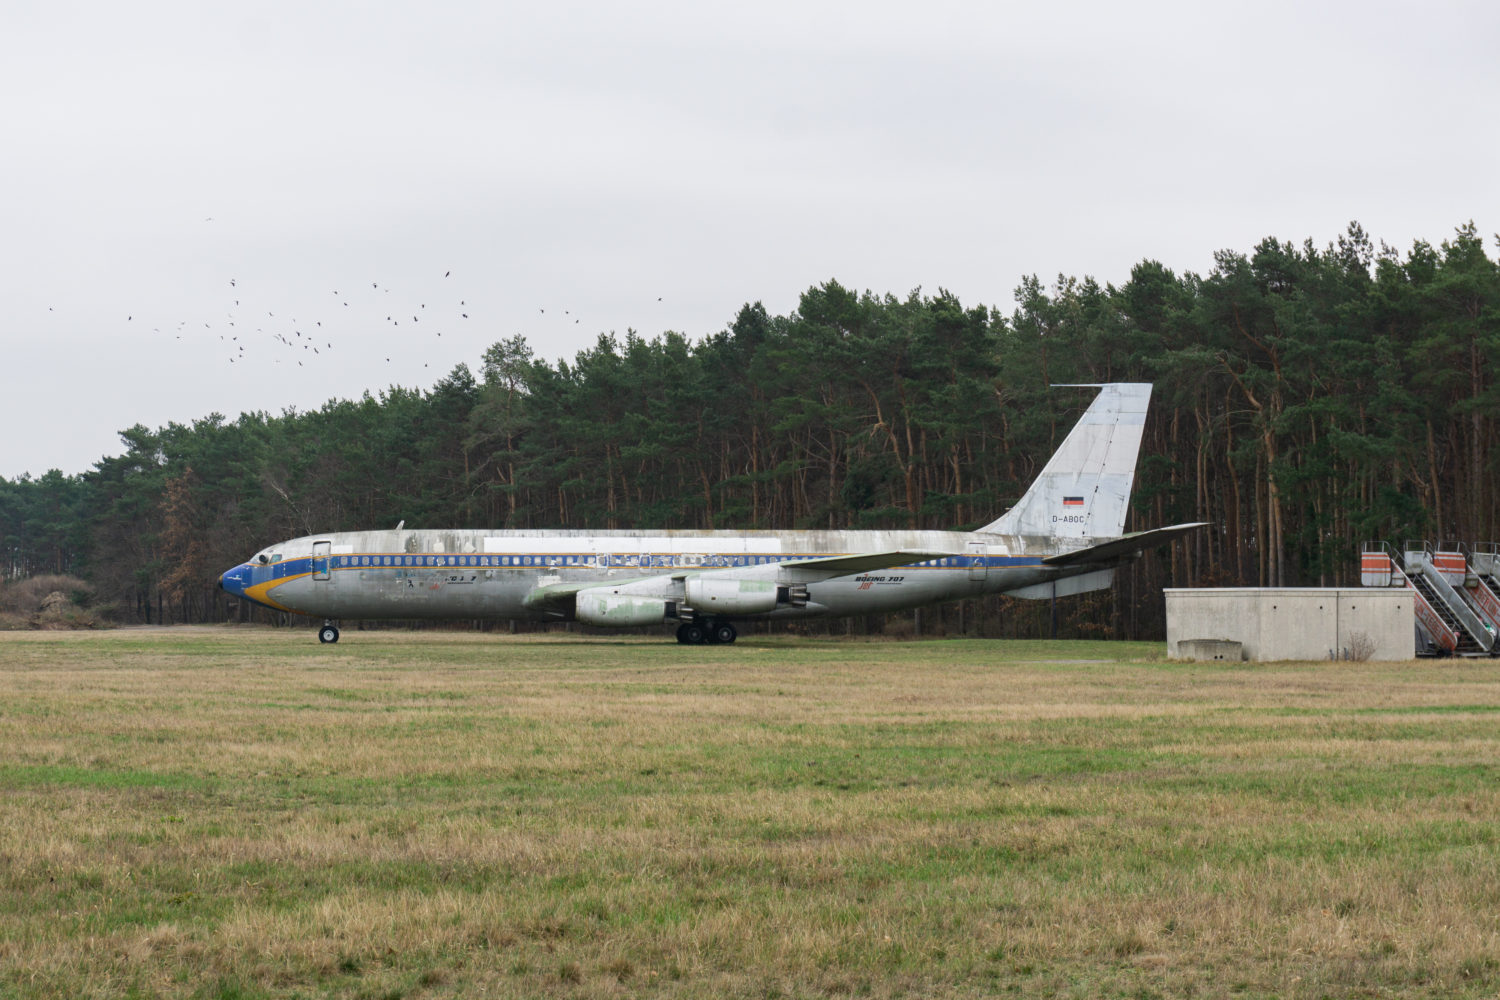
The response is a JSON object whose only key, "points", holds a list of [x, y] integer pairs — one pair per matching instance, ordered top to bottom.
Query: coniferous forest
{"points": [[1307, 398]]}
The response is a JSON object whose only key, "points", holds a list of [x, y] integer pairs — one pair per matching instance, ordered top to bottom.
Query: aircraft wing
{"points": [[1120, 548], [863, 562], [559, 597]]}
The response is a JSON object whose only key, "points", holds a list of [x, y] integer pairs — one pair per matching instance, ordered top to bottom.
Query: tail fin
{"points": [[1084, 491]]}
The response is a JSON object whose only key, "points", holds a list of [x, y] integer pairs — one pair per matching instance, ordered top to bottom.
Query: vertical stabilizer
{"points": [[1084, 491]]}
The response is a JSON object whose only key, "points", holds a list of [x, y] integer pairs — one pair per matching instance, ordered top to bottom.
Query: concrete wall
{"points": [[1292, 623]]}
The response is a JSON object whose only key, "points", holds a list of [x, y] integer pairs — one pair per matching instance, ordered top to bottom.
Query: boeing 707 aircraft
{"points": [[1064, 536]]}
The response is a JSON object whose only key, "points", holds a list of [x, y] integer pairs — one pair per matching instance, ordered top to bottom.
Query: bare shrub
{"points": [[49, 601], [1361, 646]]}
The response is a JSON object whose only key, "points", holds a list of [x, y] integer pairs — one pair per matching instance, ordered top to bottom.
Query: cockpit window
{"points": [[275, 557]]}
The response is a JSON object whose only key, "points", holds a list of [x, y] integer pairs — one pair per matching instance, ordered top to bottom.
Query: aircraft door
{"points": [[320, 560], [978, 563]]}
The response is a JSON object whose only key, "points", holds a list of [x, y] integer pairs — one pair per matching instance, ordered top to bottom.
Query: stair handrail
{"points": [[1419, 547], [1485, 558], [1482, 597], [1457, 606], [1427, 617]]}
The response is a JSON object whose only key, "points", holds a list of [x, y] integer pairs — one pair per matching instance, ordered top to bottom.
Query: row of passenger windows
{"points": [[601, 560], [449, 561]]}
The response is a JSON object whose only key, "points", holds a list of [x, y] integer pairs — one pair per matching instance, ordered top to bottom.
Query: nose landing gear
{"points": [[328, 633]]}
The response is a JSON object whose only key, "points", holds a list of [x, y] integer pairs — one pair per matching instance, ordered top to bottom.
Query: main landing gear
{"points": [[328, 633], [714, 633]]}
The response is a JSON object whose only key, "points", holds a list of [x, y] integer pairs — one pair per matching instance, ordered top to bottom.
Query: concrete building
{"points": [[1290, 623]]}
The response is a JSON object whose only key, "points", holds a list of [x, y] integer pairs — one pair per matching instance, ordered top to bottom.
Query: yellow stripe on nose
{"points": [[261, 592]]}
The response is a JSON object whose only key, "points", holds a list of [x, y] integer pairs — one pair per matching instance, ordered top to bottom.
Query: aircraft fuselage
{"points": [[1064, 536], [490, 574]]}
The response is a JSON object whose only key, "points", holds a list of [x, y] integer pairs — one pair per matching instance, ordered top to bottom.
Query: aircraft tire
{"points": [[723, 632], [328, 634], [692, 634]]}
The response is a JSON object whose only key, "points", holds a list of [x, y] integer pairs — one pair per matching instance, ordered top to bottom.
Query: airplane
{"points": [[1064, 536]]}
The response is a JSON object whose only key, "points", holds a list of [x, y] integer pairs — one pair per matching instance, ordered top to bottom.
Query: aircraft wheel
{"points": [[724, 632], [328, 634], [682, 634], [692, 634]]}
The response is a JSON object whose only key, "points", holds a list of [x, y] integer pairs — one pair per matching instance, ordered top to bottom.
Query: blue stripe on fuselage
{"points": [[574, 560]]}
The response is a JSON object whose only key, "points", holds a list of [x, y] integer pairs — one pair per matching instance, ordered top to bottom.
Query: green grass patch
{"points": [[244, 812]]}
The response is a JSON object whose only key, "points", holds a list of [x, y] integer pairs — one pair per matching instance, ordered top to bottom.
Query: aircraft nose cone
{"points": [[235, 580]]}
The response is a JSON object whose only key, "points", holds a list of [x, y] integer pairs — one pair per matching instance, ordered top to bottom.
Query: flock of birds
{"points": [[245, 327], [248, 328]]}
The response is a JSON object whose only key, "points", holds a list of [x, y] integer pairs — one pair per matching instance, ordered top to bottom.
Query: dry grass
{"points": [[238, 812]]}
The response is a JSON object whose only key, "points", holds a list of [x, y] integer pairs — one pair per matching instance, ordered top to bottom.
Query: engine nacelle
{"points": [[729, 596], [601, 606]]}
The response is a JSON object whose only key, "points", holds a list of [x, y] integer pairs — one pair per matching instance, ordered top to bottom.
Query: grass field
{"points": [[241, 812]]}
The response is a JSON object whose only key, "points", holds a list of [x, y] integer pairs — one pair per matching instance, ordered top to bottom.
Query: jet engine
{"points": [[710, 595], [601, 606]]}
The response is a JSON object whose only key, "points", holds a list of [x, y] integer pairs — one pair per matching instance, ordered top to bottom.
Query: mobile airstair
{"points": [[1484, 594], [1449, 625]]}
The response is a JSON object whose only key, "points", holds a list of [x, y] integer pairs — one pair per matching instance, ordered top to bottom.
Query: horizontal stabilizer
{"points": [[1120, 548]]}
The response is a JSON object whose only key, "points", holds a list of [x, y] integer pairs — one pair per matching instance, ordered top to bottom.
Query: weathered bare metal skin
{"points": [[1042, 547], [499, 591]]}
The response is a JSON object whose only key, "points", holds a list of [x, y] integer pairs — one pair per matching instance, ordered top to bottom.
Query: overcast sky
{"points": [[178, 175]]}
